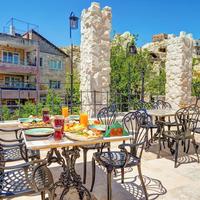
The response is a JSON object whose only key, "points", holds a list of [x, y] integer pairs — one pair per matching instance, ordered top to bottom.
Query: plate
{"points": [[74, 117], [29, 120], [98, 127], [39, 132], [77, 137]]}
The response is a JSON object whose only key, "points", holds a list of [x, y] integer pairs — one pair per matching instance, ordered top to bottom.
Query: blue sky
{"points": [[142, 17]]}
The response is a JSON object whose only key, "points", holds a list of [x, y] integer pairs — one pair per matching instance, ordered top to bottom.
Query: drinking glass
{"points": [[65, 112], [45, 115], [84, 119], [59, 121], [58, 134]]}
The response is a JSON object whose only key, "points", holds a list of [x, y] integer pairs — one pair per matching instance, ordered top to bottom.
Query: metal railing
{"points": [[21, 63], [121, 100]]}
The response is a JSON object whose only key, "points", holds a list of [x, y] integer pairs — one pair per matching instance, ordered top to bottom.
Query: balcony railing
{"points": [[16, 41], [24, 63], [15, 85]]}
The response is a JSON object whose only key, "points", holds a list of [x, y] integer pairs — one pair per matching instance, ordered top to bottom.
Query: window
{"points": [[10, 57], [55, 64], [11, 81], [54, 84]]}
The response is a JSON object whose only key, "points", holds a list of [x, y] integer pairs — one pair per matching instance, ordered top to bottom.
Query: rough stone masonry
{"points": [[95, 57], [179, 70]]}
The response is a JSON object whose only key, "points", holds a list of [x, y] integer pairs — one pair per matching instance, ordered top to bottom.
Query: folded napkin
{"points": [[115, 129]]}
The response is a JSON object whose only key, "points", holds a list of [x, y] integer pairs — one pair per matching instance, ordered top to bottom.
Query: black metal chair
{"points": [[160, 104], [106, 116], [186, 120], [149, 125], [14, 149], [113, 160], [24, 179]]}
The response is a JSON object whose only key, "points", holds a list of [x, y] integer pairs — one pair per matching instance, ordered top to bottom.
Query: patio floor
{"points": [[162, 180]]}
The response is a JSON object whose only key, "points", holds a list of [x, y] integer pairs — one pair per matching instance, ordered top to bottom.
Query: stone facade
{"points": [[49, 51], [95, 57], [179, 70]]}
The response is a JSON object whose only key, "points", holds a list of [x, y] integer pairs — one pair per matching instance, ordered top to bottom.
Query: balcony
{"points": [[17, 42], [22, 68], [15, 85], [15, 90]]}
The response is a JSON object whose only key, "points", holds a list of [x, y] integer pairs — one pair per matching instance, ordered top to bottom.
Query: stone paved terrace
{"points": [[163, 181]]}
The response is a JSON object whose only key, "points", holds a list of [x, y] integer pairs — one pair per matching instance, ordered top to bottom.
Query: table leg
{"points": [[69, 179]]}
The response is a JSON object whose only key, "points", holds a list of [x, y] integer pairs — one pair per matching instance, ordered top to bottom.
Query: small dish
{"points": [[74, 117], [98, 127], [39, 132]]}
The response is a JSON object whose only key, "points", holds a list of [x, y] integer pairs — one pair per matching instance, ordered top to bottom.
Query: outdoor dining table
{"points": [[160, 113], [65, 152]]}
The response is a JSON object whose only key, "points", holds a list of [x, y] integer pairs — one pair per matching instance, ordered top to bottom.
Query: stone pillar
{"points": [[95, 57], [179, 70]]}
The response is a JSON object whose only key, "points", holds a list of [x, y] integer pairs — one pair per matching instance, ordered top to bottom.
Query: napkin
{"points": [[116, 129]]}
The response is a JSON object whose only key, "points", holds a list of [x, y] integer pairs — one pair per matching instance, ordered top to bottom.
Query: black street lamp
{"points": [[73, 24], [130, 50]]}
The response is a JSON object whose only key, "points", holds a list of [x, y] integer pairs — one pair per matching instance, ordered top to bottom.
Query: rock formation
{"points": [[95, 57], [179, 70]]}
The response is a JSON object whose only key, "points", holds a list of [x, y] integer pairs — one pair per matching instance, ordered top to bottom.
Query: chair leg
{"points": [[151, 131], [188, 146], [159, 147], [196, 149], [176, 153], [84, 165], [93, 174], [122, 175], [142, 181], [109, 185], [51, 194], [42, 195]]}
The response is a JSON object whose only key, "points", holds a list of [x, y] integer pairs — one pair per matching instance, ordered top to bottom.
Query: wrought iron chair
{"points": [[160, 104], [106, 116], [186, 120], [149, 125], [14, 150], [112, 160], [26, 178]]}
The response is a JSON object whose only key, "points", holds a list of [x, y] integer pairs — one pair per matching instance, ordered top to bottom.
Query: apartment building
{"points": [[29, 66]]}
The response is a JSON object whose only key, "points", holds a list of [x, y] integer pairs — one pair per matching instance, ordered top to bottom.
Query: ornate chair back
{"points": [[160, 104], [107, 115], [187, 119], [134, 123]]}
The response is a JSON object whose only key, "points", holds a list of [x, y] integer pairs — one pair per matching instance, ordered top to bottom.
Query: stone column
{"points": [[95, 57], [179, 70]]}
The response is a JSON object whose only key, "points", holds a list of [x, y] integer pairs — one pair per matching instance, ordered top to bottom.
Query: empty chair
{"points": [[160, 104], [106, 116], [186, 120], [14, 149], [123, 158], [26, 178]]}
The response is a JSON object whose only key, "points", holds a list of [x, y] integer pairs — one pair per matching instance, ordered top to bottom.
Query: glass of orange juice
{"points": [[65, 111], [84, 119]]}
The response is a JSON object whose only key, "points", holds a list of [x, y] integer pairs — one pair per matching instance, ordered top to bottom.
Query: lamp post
{"points": [[73, 24], [130, 50]]}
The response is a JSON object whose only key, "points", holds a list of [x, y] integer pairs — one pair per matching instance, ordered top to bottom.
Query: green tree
{"points": [[125, 67], [157, 81], [76, 90], [53, 102], [6, 115]]}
